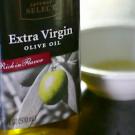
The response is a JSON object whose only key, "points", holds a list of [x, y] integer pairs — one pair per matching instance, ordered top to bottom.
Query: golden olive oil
{"points": [[115, 65]]}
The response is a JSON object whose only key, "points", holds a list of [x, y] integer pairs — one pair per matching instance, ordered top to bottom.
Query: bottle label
{"points": [[39, 62]]}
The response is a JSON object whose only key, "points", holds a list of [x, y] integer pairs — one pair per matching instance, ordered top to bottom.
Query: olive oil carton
{"points": [[39, 62]]}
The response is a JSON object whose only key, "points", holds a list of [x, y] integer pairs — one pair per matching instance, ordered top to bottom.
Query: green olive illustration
{"points": [[53, 86]]}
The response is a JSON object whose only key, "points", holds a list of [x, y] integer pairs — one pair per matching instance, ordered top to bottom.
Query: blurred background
{"points": [[107, 12]]}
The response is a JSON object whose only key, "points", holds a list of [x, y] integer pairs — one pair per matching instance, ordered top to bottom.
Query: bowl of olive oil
{"points": [[108, 61]]}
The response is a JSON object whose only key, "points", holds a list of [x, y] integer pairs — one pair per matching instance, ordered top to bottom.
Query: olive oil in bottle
{"points": [[39, 79]]}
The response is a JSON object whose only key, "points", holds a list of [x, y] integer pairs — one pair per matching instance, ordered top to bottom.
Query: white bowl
{"points": [[104, 44]]}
